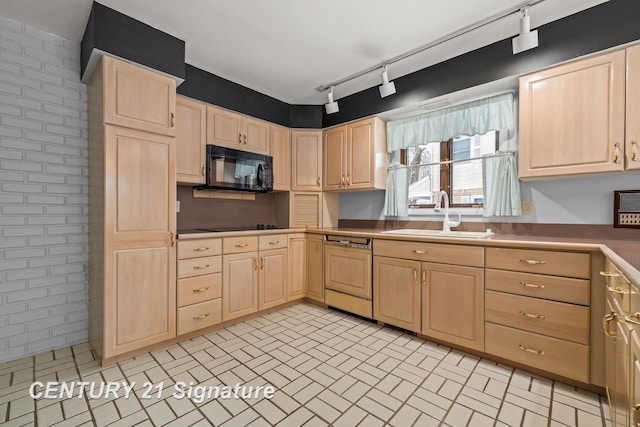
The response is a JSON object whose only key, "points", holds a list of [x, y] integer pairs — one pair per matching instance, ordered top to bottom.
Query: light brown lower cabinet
{"points": [[297, 266], [314, 277], [272, 280], [239, 285], [396, 290], [453, 304], [617, 371], [635, 378]]}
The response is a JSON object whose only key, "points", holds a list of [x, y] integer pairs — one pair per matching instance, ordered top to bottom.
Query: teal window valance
{"points": [[471, 118]]}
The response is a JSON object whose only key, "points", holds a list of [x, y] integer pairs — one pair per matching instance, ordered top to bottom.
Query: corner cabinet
{"points": [[581, 117], [191, 140], [355, 157], [306, 160], [132, 277]]}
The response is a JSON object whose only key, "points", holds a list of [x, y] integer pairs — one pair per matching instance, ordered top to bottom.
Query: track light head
{"points": [[527, 39], [386, 88], [331, 106]]}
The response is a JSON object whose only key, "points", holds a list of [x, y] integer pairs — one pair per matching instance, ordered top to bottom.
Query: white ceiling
{"points": [[287, 48]]}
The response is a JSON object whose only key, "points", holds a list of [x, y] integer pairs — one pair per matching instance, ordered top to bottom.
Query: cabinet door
{"points": [[138, 98], [572, 118], [224, 128], [255, 135], [191, 140], [632, 148], [281, 153], [360, 155], [334, 158], [306, 160], [305, 210], [139, 225], [297, 267], [348, 270], [315, 282], [239, 285], [272, 288], [396, 291], [453, 304], [609, 326], [622, 368], [634, 398]]}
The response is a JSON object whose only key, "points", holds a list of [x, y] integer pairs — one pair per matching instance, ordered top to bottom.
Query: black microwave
{"points": [[229, 169]]}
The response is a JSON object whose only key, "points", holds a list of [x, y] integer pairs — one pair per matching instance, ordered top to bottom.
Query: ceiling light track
{"points": [[513, 10]]}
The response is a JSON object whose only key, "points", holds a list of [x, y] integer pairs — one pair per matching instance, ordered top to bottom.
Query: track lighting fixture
{"points": [[527, 39], [386, 88], [331, 106]]}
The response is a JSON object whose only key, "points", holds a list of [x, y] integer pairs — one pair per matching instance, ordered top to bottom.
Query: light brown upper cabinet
{"points": [[138, 98], [572, 117], [228, 129], [191, 140], [281, 151], [632, 151], [355, 157], [306, 160]]}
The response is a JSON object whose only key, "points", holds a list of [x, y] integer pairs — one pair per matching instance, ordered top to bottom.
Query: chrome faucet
{"points": [[446, 223]]}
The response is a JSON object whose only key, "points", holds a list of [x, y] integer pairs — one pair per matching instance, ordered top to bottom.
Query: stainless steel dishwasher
{"points": [[347, 274]]}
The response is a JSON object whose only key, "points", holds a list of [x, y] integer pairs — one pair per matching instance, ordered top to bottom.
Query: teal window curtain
{"points": [[471, 118], [501, 186], [396, 198]]}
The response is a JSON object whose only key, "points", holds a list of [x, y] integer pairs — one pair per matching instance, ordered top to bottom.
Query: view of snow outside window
{"points": [[466, 178]]}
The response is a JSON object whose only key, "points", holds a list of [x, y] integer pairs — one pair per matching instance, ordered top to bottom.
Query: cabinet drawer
{"points": [[275, 241], [235, 245], [199, 248], [472, 256], [570, 264], [199, 266], [198, 289], [575, 291], [361, 307], [198, 316], [557, 319], [564, 358]]}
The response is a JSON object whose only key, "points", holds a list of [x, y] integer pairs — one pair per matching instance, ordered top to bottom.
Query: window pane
{"points": [[467, 175], [424, 181]]}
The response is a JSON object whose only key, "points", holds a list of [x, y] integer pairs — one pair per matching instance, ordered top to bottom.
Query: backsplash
{"points": [[204, 213]]}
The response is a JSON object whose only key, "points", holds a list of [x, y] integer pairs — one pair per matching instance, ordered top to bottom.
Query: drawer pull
{"points": [[274, 242], [242, 245], [200, 249], [420, 252], [532, 261], [200, 267], [609, 274], [415, 275], [531, 285], [197, 291], [202, 316], [533, 316], [608, 318], [633, 318], [530, 350], [636, 415]]}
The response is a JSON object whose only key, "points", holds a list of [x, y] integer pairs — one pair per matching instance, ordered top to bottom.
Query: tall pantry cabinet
{"points": [[132, 215]]}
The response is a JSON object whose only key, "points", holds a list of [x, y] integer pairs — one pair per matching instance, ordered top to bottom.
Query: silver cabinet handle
{"points": [[274, 242], [242, 245], [200, 249], [416, 251], [532, 262], [200, 267], [531, 285], [196, 291], [202, 316], [533, 316], [530, 350]]}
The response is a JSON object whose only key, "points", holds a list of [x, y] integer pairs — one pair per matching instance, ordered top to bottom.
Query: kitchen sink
{"points": [[440, 233]]}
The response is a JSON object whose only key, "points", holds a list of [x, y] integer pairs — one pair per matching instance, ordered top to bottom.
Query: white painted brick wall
{"points": [[43, 192]]}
